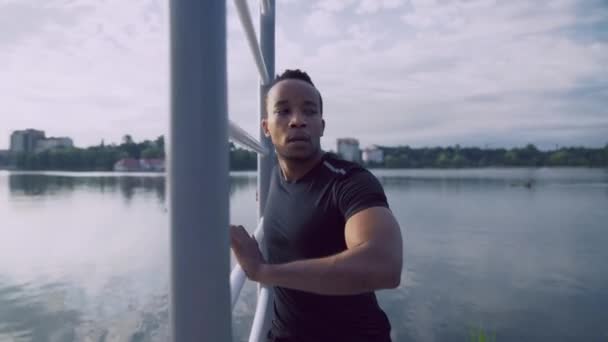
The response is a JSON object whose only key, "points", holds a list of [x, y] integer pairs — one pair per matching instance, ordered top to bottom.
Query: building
{"points": [[25, 141], [34, 141], [53, 143], [348, 149], [373, 155], [4, 158], [127, 164], [157, 165]]}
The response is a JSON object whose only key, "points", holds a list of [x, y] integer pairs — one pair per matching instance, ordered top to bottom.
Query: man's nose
{"points": [[297, 119]]}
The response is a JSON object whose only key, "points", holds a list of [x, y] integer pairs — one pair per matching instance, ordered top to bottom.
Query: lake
{"points": [[521, 254]]}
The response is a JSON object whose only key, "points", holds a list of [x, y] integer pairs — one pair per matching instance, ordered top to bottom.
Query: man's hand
{"points": [[247, 252]]}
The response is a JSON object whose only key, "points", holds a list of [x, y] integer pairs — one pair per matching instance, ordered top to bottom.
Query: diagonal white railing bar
{"points": [[265, 6], [245, 17], [240, 136], [237, 276], [259, 325]]}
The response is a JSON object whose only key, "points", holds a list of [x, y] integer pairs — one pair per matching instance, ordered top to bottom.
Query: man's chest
{"points": [[303, 223]]}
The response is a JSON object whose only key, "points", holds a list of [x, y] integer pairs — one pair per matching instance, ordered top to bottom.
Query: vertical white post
{"points": [[266, 162], [198, 173]]}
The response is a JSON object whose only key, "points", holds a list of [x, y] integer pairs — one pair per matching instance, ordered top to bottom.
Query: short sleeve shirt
{"points": [[306, 219]]}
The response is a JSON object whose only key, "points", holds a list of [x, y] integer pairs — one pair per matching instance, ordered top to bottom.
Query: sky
{"points": [[485, 73]]}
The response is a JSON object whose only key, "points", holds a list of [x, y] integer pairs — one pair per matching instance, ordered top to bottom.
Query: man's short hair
{"points": [[297, 74]]}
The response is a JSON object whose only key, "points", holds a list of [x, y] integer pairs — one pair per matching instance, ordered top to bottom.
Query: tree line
{"points": [[103, 157], [459, 157], [94, 158]]}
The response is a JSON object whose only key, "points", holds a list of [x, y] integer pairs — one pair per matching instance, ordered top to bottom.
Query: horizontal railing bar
{"points": [[240, 136]]}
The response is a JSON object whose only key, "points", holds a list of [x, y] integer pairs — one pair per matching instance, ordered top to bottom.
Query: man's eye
{"points": [[282, 111], [310, 111]]}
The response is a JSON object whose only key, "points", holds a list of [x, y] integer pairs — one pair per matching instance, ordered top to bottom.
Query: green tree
{"points": [[127, 139], [160, 142], [152, 152], [512, 158], [558, 158], [443, 160], [459, 160]]}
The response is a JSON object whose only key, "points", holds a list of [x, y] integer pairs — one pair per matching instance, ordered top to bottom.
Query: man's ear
{"points": [[323, 126], [265, 127]]}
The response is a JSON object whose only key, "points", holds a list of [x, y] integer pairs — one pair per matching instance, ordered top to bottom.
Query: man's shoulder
{"points": [[343, 168], [356, 188]]}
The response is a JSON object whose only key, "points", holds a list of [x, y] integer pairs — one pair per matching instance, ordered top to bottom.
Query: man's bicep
{"points": [[375, 226]]}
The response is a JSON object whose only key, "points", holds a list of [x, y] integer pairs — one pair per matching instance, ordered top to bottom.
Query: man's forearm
{"points": [[357, 270]]}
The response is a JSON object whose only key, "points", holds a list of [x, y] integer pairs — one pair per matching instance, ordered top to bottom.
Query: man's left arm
{"points": [[372, 261]]}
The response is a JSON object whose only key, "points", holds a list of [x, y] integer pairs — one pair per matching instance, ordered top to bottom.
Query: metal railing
{"points": [[245, 17], [263, 55], [240, 136], [200, 296]]}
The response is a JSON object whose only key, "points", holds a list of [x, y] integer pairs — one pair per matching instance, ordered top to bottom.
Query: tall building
{"points": [[25, 141], [34, 141], [53, 143], [348, 149], [373, 154], [4, 158]]}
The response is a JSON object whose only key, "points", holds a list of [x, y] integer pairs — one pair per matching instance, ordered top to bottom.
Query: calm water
{"points": [[84, 257]]}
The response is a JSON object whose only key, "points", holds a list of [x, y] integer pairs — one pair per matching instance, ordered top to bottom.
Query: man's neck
{"points": [[293, 170]]}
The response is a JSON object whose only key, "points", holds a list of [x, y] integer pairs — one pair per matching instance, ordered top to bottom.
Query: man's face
{"points": [[293, 121]]}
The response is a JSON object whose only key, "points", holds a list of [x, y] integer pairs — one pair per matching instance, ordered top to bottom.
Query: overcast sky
{"points": [[416, 72]]}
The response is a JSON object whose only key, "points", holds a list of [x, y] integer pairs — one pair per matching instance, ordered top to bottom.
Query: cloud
{"points": [[333, 5], [373, 6], [322, 23], [470, 50], [420, 72], [85, 75]]}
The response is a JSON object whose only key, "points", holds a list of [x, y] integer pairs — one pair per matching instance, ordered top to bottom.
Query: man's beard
{"points": [[314, 151]]}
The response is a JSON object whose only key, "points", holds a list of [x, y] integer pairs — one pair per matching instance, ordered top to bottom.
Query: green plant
{"points": [[479, 335]]}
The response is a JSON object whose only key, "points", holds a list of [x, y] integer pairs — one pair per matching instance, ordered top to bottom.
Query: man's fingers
{"points": [[236, 232], [240, 238]]}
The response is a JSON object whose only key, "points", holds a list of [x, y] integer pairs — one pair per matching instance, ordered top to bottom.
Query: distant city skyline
{"points": [[391, 72], [328, 146]]}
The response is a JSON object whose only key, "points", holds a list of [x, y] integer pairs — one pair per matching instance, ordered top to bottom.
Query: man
{"points": [[331, 238]]}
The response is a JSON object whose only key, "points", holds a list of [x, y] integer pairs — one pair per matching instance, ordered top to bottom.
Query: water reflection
{"points": [[525, 178], [45, 185], [76, 264], [63, 312], [30, 314]]}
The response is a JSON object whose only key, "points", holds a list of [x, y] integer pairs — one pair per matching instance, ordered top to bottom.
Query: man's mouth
{"points": [[295, 139]]}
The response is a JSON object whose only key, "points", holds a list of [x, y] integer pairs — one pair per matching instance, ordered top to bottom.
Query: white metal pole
{"points": [[265, 162], [198, 173], [264, 311]]}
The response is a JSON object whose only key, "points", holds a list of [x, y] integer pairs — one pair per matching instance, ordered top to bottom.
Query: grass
{"points": [[478, 335]]}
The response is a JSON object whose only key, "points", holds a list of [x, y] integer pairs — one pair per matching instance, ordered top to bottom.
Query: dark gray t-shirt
{"points": [[305, 219]]}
